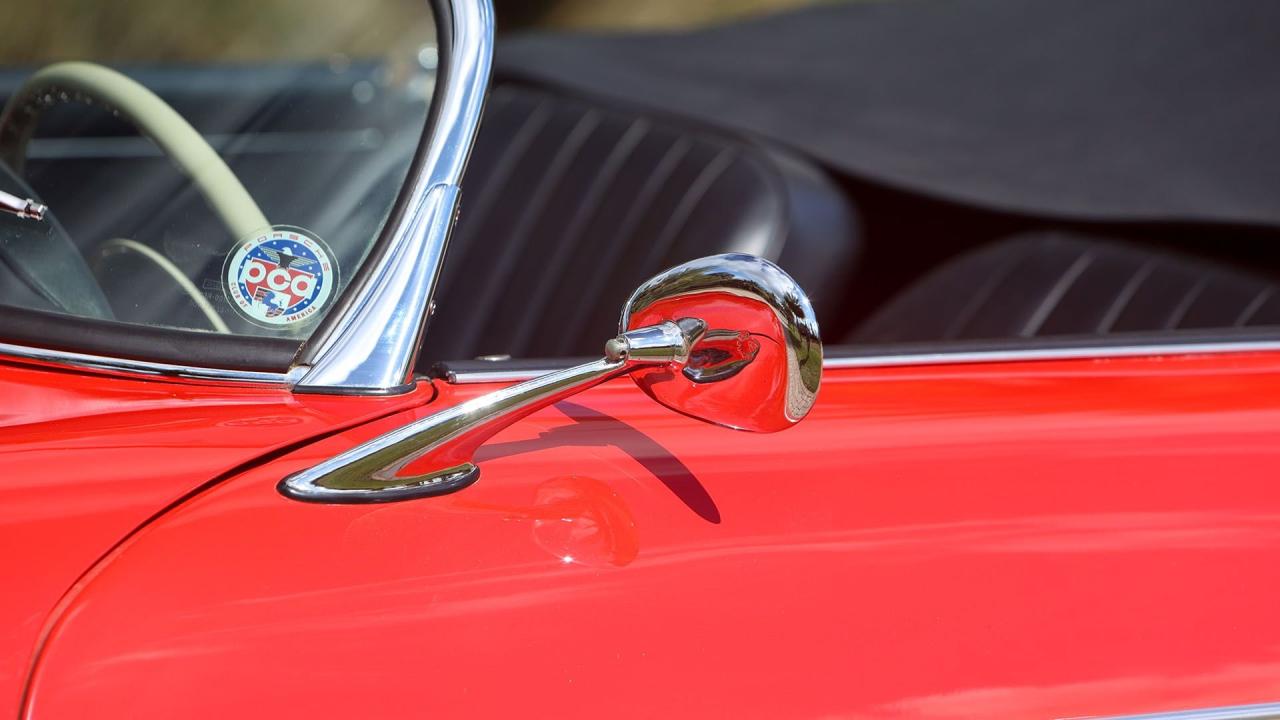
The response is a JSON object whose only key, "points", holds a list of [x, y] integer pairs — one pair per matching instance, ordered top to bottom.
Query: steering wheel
{"points": [[97, 85]]}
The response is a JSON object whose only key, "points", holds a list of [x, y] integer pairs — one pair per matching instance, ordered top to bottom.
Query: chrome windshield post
{"points": [[371, 343]]}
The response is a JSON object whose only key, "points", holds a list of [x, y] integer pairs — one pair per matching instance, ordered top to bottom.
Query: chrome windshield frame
{"points": [[369, 344]]}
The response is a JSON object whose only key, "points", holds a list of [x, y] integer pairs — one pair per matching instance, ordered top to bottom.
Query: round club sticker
{"points": [[282, 276]]}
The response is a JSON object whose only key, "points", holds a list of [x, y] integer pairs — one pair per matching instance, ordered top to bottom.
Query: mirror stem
{"points": [[445, 442]]}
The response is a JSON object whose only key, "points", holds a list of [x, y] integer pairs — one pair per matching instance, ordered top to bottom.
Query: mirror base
{"points": [[412, 487]]}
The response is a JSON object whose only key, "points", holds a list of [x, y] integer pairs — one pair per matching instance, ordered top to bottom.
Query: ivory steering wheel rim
{"points": [[95, 84], [99, 85]]}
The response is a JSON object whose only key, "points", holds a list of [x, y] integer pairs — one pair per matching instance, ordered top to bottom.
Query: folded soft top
{"points": [[1089, 109]]}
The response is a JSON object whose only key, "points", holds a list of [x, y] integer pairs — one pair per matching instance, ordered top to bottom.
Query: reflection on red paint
{"points": [[583, 521], [1038, 540]]}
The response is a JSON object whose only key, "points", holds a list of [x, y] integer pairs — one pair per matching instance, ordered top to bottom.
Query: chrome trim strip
{"points": [[373, 342], [1080, 353], [942, 358], [122, 365], [494, 376], [1268, 711]]}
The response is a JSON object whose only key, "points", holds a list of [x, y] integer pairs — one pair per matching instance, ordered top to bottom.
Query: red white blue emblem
{"points": [[284, 276]]}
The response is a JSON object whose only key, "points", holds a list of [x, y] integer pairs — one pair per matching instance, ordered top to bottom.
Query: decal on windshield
{"points": [[283, 276]]}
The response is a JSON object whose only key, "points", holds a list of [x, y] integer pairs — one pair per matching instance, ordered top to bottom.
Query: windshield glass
{"points": [[212, 165]]}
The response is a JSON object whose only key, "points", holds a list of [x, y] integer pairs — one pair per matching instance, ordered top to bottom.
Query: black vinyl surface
{"points": [[1154, 110], [569, 205], [1058, 283]]}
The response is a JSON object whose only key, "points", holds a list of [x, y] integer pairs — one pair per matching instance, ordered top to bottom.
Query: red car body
{"points": [[1023, 532], [995, 539]]}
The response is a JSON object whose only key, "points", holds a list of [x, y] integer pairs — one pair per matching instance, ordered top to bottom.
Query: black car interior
{"points": [[572, 200], [570, 205], [1049, 283]]}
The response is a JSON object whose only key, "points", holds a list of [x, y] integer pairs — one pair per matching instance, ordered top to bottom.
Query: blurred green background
{"points": [[634, 14], [200, 30], [248, 30]]}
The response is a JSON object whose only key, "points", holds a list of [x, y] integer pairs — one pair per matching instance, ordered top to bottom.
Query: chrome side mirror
{"points": [[728, 339], [757, 365]]}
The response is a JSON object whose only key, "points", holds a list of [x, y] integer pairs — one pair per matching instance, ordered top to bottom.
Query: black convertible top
{"points": [[1082, 109]]}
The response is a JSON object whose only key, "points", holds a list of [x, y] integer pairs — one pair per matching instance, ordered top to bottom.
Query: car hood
{"points": [[85, 460]]}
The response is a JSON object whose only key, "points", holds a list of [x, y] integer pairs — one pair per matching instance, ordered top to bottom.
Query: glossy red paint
{"points": [[85, 459], [1020, 540]]}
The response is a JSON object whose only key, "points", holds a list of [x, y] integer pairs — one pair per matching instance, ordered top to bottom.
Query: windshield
{"points": [[209, 165]]}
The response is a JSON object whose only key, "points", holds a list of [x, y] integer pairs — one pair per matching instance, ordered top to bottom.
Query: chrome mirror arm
{"points": [[728, 339], [445, 443]]}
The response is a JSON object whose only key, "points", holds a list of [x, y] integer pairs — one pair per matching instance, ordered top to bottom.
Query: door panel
{"points": [[1003, 540]]}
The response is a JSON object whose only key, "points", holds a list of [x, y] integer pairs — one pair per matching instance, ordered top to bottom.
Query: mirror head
{"points": [[756, 363]]}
